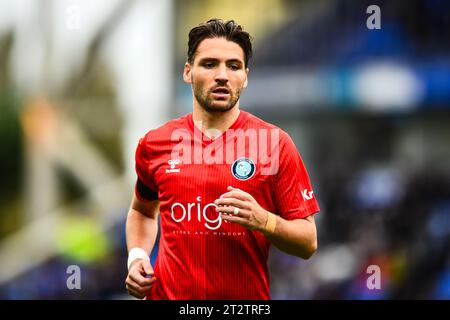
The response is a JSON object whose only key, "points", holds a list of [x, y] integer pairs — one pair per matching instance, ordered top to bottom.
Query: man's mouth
{"points": [[220, 92]]}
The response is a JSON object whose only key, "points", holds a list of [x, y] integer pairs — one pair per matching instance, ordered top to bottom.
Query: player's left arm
{"points": [[296, 237]]}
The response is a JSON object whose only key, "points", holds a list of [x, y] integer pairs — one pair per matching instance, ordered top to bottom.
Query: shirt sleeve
{"points": [[145, 187], [294, 197]]}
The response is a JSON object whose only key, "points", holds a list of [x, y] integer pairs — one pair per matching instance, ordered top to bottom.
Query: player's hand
{"points": [[251, 215], [137, 283]]}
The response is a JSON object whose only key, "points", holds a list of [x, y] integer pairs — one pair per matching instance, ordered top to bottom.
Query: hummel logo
{"points": [[173, 163], [307, 195]]}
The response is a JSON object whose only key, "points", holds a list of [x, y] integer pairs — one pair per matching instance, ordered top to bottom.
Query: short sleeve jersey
{"points": [[202, 256]]}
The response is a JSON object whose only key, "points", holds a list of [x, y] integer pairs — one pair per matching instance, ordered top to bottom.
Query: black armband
{"points": [[145, 192]]}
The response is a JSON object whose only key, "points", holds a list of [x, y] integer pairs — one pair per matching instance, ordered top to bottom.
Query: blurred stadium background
{"points": [[81, 81]]}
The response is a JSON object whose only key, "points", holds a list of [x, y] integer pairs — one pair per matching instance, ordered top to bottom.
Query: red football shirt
{"points": [[200, 255]]}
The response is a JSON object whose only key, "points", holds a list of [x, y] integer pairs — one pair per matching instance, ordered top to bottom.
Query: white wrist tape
{"points": [[137, 253]]}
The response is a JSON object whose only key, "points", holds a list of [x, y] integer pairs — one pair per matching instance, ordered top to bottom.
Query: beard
{"points": [[208, 103]]}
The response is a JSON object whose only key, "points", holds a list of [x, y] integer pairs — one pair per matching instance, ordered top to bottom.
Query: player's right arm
{"points": [[141, 231]]}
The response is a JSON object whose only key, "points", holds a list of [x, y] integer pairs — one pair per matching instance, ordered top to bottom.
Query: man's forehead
{"points": [[219, 48]]}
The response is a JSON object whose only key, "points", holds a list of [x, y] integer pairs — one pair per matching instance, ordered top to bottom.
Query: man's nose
{"points": [[221, 75]]}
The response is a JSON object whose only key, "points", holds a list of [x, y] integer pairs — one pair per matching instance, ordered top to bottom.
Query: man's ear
{"points": [[187, 73], [246, 77]]}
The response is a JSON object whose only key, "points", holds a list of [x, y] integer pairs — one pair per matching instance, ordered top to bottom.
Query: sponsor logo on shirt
{"points": [[173, 163], [307, 195], [194, 211]]}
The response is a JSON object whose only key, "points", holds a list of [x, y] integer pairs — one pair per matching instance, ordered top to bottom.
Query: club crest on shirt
{"points": [[243, 169]]}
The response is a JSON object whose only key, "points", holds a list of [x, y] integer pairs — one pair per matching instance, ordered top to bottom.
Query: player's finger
{"points": [[234, 194], [248, 195], [231, 202], [230, 210], [234, 219], [147, 268], [139, 279], [147, 283], [138, 288], [138, 291], [136, 294]]}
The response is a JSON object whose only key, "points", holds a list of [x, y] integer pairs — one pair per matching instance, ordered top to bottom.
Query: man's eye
{"points": [[208, 65], [235, 67]]}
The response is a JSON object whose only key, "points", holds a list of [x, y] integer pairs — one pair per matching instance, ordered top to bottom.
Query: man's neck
{"points": [[213, 124]]}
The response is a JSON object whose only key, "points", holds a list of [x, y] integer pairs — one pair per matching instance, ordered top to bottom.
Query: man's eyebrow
{"points": [[206, 59], [235, 61]]}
